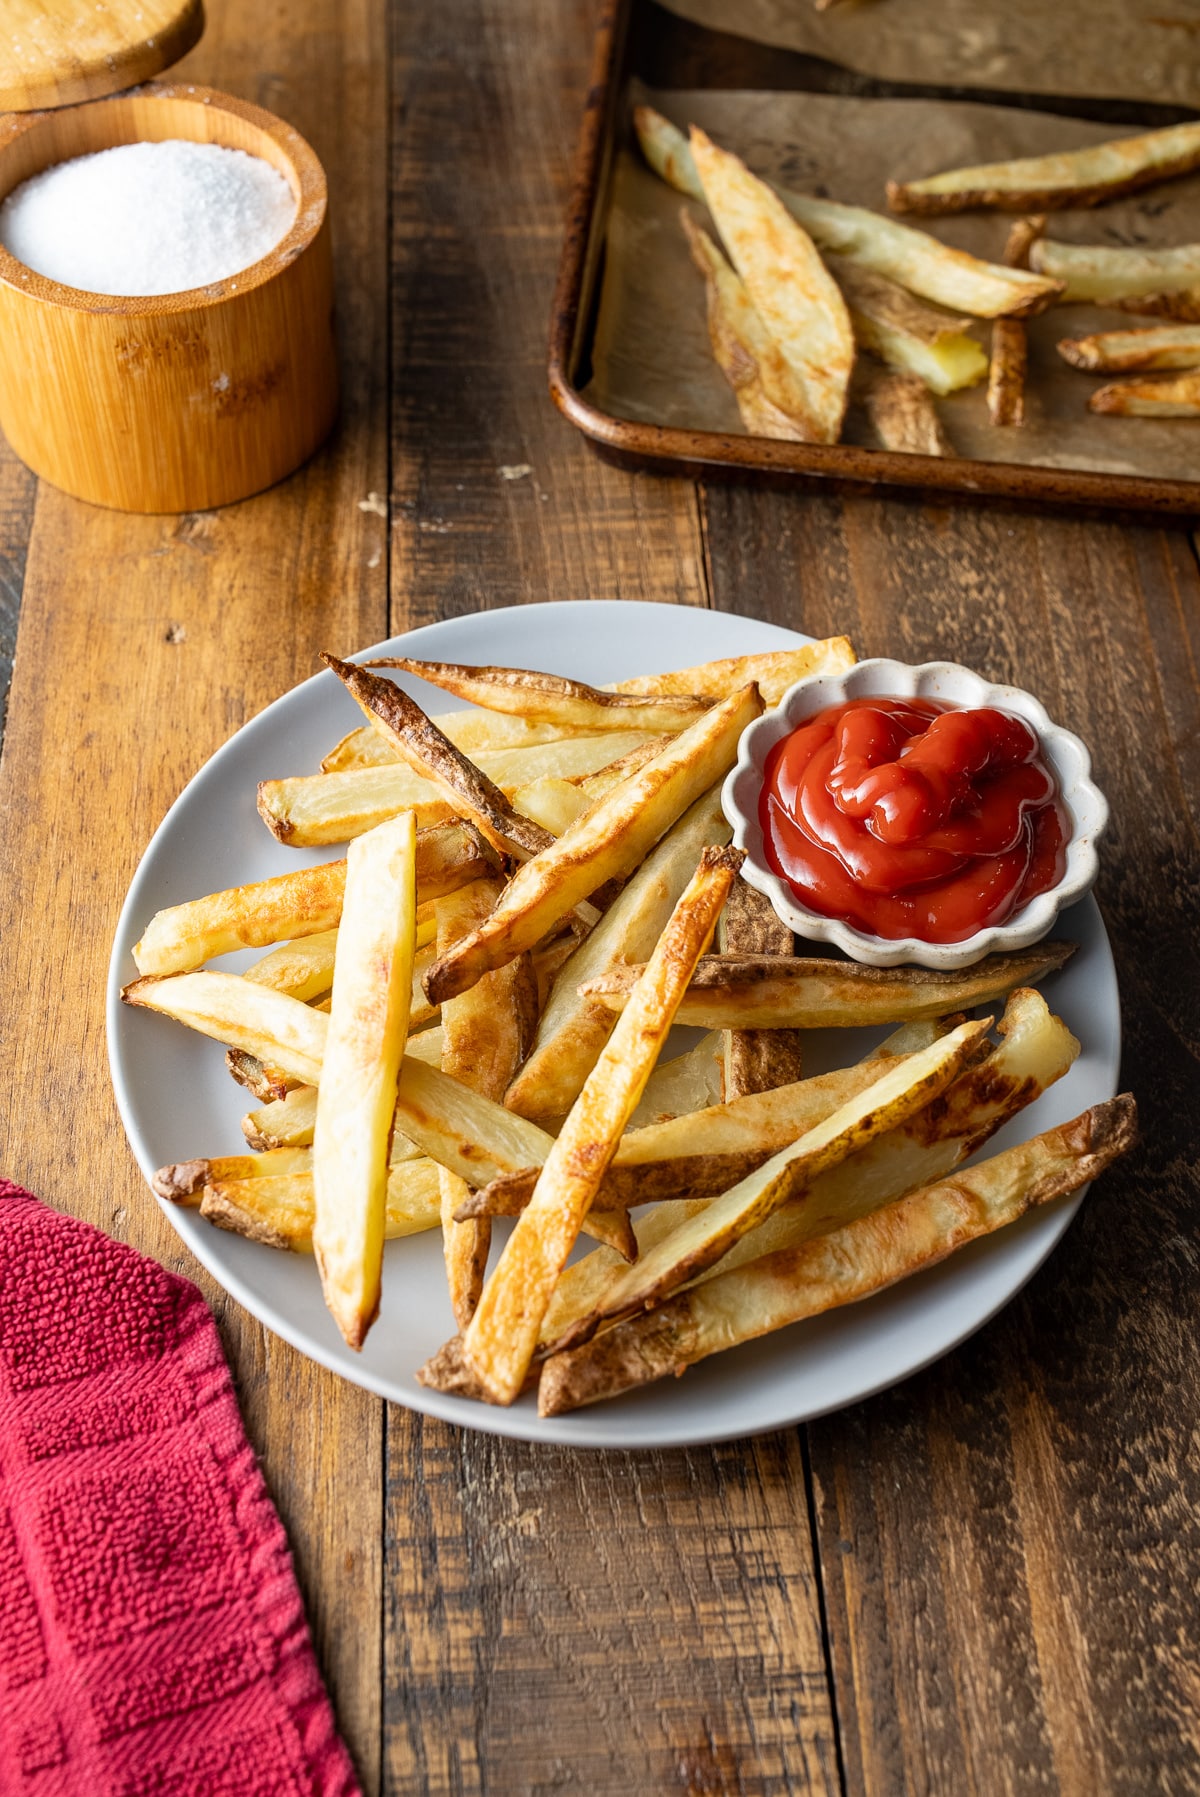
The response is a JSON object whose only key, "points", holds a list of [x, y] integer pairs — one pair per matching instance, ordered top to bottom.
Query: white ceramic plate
{"points": [[177, 1101]]}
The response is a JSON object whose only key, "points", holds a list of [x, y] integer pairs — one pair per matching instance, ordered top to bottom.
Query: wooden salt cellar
{"points": [[176, 402]]}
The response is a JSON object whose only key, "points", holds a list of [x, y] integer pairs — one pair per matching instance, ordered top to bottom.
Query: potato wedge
{"points": [[1047, 183], [909, 257], [1106, 275], [789, 287], [907, 333], [1010, 348], [1124, 352], [1175, 396], [901, 408], [773, 672], [538, 698], [310, 810], [611, 839], [304, 903], [773, 992], [270, 1025], [368, 1026], [485, 1033], [571, 1033], [757, 1060], [279, 1210], [849, 1264], [500, 1342]]}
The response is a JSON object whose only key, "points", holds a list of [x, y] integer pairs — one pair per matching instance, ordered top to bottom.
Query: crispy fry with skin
{"points": [[1048, 183], [909, 257], [1106, 275], [789, 287], [907, 333], [1010, 347], [1126, 352], [1175, 396], [901, 408], [772, 672], [539, 698], [475, 732], [466, 788], [304, 903], [773, 992], [270, 1025], [571, 1033], [484, 1036], [757, 1060], [264, 1081], [902, 1088], [288, 1122], [183, 1182], [279, 1210], [849, 1264], [501, 1339]]}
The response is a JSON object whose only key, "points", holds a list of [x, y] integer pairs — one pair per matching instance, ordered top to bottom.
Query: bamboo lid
{"points": [[57, 52]]}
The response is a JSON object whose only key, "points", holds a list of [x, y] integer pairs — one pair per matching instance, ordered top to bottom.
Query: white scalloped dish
{"points": [[952, 685]]}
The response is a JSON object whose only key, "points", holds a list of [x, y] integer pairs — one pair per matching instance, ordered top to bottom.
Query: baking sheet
{"points": [[1107, 49], [650, 356]]}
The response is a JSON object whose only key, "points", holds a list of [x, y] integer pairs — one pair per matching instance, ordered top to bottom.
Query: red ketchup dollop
{"points": [[906, 817]]}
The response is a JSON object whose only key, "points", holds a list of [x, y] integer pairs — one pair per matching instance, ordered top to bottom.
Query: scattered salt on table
{"points": [[148, 218]]}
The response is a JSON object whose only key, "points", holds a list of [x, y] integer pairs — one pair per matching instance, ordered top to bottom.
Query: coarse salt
{"points": [[148, 218]]}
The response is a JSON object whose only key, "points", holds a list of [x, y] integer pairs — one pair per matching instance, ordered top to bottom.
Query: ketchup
{"points": [[906, 817]]}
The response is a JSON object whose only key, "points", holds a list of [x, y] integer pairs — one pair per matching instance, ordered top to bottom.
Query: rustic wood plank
{"points": [[17, 490], [167, 634], [1006, 1539], [609, 1623]]}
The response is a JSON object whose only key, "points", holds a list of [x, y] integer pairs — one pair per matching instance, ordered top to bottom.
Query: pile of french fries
{"points": [[798, 285], [465, 1019]]}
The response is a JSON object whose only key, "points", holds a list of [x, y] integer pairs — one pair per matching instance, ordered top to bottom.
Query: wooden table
{"points": [[984, 1581]]}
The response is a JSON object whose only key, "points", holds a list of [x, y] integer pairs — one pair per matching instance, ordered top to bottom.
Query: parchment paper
{"points": [[1106, 49], [651, 360]]}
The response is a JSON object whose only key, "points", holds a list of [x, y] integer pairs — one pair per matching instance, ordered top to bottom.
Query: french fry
{"points": [[1047, 183], [909, 257], [1131, 278], [789, 287], [907, 333], [1010, 348], [1124, 352], [764, 386], [1175, 396], [901, 408], [772, 672], [537, 698], [474, 732], [465, 787], [553, 803], [608, 840], [304, 903], [302, 969], [773, 992], [270, 1025], [368, 1025], [571, 1033], [484, 1036], [757, 1060], [266, 1082], [690, 1082], [901, 1089], [288, 1122], [183, 1182], [279, 1210], [849, 1264], [500, 1342]]}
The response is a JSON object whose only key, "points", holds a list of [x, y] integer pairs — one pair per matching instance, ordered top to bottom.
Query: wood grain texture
{"points": [[56, 52], [17, 491], [169, 633], [1006, 1540]]}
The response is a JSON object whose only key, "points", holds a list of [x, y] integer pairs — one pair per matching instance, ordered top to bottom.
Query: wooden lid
{"points": [[56, 52]]}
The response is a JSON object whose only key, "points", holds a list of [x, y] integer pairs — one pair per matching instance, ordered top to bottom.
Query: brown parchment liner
{"points": [[1106, 49], [651, 360]]}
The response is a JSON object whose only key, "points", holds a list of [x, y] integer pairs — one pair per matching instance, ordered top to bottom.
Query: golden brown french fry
{"points": [[1047, 183], [909, 257], [1106, 275], [789, 287], [907, 333], [1148, 347], [1010, 349], [767, 393], [1175, 396], [901, 408], [772, 672], [538, 698], [475, 732], [464, 786], [554, 804], [609, 840], [304, 903], [302, 969], [773, 992], [270, 1025], [368, 1025], [571, 1033], [484, 1036], [757, 1060], [687, 1083], [902, 1088], [288, 1122], [183, 1181], [279, 1210], [849, 1264], [501, 1339]]}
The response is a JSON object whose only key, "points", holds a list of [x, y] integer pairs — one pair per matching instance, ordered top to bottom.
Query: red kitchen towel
{"points": [[152, 1636]]}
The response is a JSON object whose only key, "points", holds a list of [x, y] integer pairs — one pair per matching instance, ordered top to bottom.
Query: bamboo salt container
{"points": [[182, 401]]}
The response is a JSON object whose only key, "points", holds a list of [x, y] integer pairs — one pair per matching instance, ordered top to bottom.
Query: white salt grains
{"points": [[148, 218]]}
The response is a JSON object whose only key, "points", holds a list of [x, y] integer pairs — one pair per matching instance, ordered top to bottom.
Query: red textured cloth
{"points": [[152, 1636]]}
